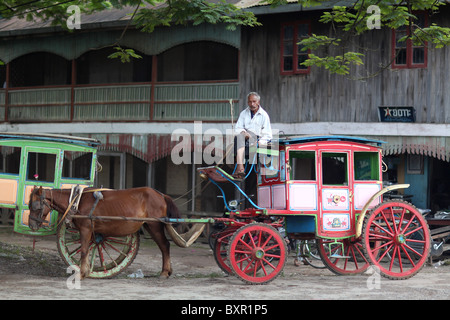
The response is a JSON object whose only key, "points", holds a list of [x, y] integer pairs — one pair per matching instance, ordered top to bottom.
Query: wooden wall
{"points": [[319, 96]]}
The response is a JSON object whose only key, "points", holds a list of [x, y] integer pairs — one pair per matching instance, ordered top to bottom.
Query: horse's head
{"points": [[39, 208]]}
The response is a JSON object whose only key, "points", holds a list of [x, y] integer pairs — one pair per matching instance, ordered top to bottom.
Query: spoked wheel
{"points": [[396, 239], [220, 248], [257, 253], [108, 256], [343, 256]]}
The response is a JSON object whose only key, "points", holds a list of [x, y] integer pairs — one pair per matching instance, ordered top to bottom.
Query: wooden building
{"points": [[60, 82]]}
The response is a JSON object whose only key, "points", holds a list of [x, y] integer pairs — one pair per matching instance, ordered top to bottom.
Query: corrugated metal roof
{"points": [[254, 3], [119, 17], [106, 18], [103, 19], [50, 137]]}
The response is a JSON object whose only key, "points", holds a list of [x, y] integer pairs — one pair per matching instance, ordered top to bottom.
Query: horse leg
{"points": [[156, 230], [85, 234]]}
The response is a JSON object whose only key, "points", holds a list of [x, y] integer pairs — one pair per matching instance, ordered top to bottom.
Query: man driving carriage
{"points": [[253, 124]]}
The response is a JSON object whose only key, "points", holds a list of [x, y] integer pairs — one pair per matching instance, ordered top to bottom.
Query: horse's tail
{"points": [[172, 210]]}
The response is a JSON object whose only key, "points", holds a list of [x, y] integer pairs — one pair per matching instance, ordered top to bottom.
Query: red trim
{"points": [[409, 50], [295, 69], [154, 81], [123, 84], [72, 89], [6, 92], [186, 102], [105, 103], [39, 105]]}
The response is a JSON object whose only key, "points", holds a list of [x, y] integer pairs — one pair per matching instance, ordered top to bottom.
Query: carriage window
{"points": [[10, 159], [77, 165], [303, 165], [366, 166], [41, 167], [334, 168]]}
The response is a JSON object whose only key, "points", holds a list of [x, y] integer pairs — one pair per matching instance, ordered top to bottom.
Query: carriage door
{"points": [[39, 167], [336, 191]]}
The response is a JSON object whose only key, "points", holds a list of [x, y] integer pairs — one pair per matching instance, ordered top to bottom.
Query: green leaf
{"points": [[124, 55]]}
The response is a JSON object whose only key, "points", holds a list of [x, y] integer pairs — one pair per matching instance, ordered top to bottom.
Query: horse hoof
{"points": [[83, 275], [164, 275]]}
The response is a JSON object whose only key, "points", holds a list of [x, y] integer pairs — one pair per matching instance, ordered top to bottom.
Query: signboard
{"points": [[396, 114]]}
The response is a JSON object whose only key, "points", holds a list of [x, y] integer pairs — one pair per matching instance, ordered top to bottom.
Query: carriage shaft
{"points": [[164, 220]]}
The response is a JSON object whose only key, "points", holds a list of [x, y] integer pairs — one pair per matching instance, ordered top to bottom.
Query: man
{"points": [[253, 123]]}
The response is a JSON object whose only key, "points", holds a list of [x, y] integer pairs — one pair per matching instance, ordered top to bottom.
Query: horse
{"points": [[138, 203]]}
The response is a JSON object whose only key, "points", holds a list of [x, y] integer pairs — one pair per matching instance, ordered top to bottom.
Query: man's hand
{"points": [[246, 134]]}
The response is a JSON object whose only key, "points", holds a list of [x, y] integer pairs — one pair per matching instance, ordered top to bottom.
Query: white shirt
{"points": [[259, 124]]}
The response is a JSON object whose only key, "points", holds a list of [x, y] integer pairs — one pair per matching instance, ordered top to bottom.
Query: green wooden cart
{"points": [[50, 161]]}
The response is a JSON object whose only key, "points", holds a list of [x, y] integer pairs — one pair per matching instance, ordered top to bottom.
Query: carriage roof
{"points": [[289, 140], [87, 142]]}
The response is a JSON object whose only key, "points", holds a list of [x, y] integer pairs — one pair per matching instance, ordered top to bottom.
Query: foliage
{"points": [[176, 12], [150, 13], [124, 55]]}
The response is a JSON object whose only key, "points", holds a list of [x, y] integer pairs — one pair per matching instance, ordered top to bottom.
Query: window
{"points": [[406, 54], [292, 55], [199, 61], [93, 67], [39, 69], [2, 76], [10, 159], [77, 165], [302, 165], [366, 166], [41, 167], [334, 168]]}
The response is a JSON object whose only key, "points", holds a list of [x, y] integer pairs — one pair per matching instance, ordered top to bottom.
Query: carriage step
{"points": [[338, 256]]}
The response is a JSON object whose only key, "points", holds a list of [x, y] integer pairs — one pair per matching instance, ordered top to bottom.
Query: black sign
{"points": [[396, 114]]}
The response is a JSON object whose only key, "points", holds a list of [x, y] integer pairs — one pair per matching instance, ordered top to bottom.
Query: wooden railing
{"points": [[120, 102]]}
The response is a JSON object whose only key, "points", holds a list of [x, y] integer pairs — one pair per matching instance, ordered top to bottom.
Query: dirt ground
{"points": [[42, 274]]}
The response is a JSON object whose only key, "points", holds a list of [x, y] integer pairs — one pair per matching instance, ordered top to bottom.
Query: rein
{"points": [[35, 205]]}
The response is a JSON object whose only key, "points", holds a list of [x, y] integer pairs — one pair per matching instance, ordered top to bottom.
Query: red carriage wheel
{"points": [[396, 239], [220, 247], [257, 253], [343, 256]]}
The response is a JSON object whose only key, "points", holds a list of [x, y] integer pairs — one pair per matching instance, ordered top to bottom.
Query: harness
{"points": [[74, 201], [72, 208]]}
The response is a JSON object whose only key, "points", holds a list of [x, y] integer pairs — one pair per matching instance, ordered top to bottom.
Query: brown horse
{"points": [[131, 203]]}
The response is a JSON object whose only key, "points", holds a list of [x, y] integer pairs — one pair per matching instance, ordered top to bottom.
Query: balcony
{"points": [[183, 101]]}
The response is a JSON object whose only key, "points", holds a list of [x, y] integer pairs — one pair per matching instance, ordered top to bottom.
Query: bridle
{"points": [[39, 205]]}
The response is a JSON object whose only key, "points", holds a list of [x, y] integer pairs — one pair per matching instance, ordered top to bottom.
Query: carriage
{"points": [[46, 160], [327, 188]]}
